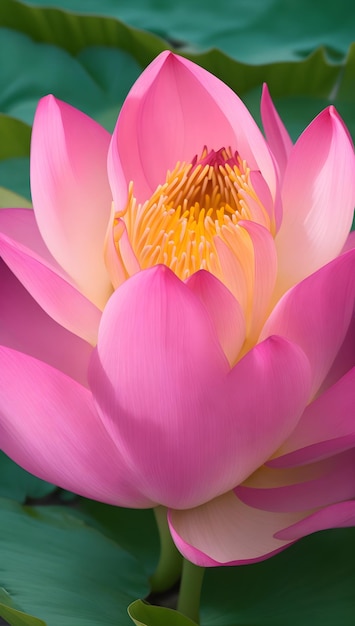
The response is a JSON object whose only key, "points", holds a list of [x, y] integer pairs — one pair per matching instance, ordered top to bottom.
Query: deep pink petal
{"points": [[175, 109], [276, 134], [70, 192], [318, 199], [42, 276], [224, 310], [317, 313], [25, 327], [344, 360], [156, 388], [170, 401], [49, 426], [326, 427], [302, 488], [340, 515], [225, 531]]}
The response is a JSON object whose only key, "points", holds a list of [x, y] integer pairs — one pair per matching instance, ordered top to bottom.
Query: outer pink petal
{"points": [[173, 111], [277, 136], [71, 193], [318, 199], [20, 226], [24, 252], [224, 310], [317, 314], [24, 326], [344, 360], [156, 388], [49, 426], [326, 427], [189, 428], [302, 488], [340, 515], [225, 531]]}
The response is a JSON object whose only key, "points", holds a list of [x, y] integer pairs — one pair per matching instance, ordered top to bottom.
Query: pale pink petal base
{"points": [[225, 531]]}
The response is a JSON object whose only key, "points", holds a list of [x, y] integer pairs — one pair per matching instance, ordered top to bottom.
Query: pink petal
{"points": [[175, 109], [276, 134], [71, 193], [318, 199], [20, 226], [247, 259], [114, 263], [34, 267], [235, 272], [264, 275], [224, 310], [316, 314], [24, 326], [344, 360], [154, 389], [170, 401], [49, 426], [326, 427], [302, 488], [340, 515], [225, 531]]}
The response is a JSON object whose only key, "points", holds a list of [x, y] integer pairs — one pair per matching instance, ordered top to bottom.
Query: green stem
{"points": [[168, 570], [190, 590]]}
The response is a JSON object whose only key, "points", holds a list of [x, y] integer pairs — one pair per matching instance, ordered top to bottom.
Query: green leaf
{"points": [[254, 32], [73, 33], [97, 82], [15, 136], [15, 176], [10, 199], [17, 484], [135, 530], [57, 568], [309, 584], [144, 614], [15, 617]]}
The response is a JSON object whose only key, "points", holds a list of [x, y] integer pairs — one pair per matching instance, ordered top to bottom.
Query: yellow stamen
{"points": [[178, 225]]}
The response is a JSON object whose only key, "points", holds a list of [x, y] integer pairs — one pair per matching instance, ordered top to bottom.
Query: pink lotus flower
{"points": [[207, 266]]}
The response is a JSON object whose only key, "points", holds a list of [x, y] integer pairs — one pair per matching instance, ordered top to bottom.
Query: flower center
{"points": [[198, 202]]}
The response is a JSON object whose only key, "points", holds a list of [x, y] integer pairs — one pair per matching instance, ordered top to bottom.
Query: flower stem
{"points": [[168, 570], [190, 590]]}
